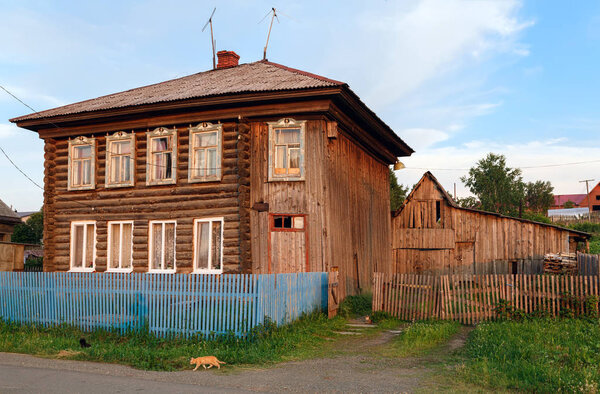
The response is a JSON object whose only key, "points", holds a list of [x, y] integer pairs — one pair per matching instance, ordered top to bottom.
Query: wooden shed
{"points": [[249, 168], [432, 234]]}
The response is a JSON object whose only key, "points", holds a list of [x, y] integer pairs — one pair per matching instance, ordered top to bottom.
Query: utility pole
{"points": [[587, 187]]}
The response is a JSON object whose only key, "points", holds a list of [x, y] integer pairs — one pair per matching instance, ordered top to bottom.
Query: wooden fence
{"points": [[588, 264], [473, 298], [167, 304]]}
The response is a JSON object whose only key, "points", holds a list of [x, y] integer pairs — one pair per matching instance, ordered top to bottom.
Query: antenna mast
{"points": [[269, 35], [212, 40]]}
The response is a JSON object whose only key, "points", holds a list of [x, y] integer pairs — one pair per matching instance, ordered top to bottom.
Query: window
{"points": [[286, 150], [205, 153], [161, 156], [82, 159], [120, 159], [438, 211], [287, 222], [208, 245], [83, 246], [120, 246], [161, 246]]}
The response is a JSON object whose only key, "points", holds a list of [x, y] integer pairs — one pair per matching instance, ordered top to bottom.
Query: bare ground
{"points": [[356, 367]]}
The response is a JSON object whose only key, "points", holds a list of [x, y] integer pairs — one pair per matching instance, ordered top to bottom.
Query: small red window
{"points": [[287, 222]]}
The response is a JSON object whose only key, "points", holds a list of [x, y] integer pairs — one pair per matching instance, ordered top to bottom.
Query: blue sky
{"points": [[455, 79]]}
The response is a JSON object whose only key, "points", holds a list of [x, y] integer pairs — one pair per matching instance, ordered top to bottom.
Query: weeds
{"points": [[356, 305], [421, 337]]}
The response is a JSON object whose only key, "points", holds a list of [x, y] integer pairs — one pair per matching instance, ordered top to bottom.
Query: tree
{"points": [[498, 188], [397, 192], [539, 196], [468, 202], [569, 204], [30, 232]]}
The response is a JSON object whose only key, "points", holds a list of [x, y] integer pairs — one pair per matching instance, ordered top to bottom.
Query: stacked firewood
{"points": [[561, 263]]}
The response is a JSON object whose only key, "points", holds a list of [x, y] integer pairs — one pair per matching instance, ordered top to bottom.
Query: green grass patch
{"points": [[356, 305], [308, 337], [421, 337], [536, 355]]}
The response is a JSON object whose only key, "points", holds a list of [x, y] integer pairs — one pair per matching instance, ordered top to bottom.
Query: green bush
{"points": [[587, 227], [356, 305]]}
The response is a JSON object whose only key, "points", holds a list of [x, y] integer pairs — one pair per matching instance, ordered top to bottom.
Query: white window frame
{"points": [[286, 123], [205, 127], [160, 132], [118, 137], [76, 142], [84, 223], [195, 235], [151, 242], [109, 243]]}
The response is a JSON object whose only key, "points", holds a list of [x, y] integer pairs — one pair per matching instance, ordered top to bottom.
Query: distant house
{"points": [[250, 168], [561, 199], [594, 199], [26, 215], [8, 220], [432, 234]]}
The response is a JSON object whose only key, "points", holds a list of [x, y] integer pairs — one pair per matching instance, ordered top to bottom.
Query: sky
{"points": [[455, 79]]}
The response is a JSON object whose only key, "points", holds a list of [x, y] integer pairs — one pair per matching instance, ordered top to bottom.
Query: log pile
{"points": [[562, 263]]}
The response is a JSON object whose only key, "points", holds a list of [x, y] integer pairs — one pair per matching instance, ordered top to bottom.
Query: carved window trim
{"points": [[286, 123], [205, 127], [117, 137], [74, 143], [150, 165], [209, 270]]}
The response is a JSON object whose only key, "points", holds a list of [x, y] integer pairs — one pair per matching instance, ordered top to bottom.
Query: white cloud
{"points": [[28, 96], [7, 130], [422, 138], [564, 178]]}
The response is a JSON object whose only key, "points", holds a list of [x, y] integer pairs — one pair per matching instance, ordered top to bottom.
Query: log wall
{"points": [[182, 201]]}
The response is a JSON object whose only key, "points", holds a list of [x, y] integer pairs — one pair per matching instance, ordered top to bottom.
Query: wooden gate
{"points": [[333, 301]]}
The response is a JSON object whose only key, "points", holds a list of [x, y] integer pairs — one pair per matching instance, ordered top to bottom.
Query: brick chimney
{"points": [[227, 59]]}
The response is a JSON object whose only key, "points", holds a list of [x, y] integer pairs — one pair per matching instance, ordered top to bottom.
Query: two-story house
{"points": [[250, 168]]}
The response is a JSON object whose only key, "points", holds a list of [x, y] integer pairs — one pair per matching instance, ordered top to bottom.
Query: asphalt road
{"points": [[27, 374]]}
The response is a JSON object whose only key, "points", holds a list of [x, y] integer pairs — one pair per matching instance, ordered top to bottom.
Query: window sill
{"points": [[204, 180], [161, 182], [114, 186], [77, 188], [82, 270], [120, 270], [151, 271]]}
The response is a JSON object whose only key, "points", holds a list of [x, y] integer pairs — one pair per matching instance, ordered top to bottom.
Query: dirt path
{"points": [[354, 369]]}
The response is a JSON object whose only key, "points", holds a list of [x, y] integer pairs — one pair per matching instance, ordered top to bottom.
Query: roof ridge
{"points": [[301, 72]]}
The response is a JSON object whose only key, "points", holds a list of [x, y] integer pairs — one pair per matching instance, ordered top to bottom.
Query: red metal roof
{"points": [[259, 76], [561, 199]]}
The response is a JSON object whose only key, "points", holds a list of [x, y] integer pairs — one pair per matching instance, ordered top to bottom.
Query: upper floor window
{"points": [[120, 148], [286, 150], [205, 153], [82, 159], [161, 160], [83, 245]]}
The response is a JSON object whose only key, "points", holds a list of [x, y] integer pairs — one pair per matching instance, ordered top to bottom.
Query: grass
{"points": [[356, 305], [308, 337], [420, 338], [534, 355]]}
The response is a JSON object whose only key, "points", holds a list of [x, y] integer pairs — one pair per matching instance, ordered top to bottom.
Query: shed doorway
{"points": [[288, 244]]}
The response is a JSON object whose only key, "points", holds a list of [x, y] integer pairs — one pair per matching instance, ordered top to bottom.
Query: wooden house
{"points": [[250, 168], [8, 220], [432, 234]]}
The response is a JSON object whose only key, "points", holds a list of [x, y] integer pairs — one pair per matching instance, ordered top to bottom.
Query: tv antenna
{"points": [[273, 17], [212, 40]]}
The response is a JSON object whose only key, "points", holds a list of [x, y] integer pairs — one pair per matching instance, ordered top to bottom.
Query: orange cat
{"points": [[211, 361]]}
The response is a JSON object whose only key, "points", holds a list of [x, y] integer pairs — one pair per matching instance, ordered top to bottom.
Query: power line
{"points": [[522, 167]]}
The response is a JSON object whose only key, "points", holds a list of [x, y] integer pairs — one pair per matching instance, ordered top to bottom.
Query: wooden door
{"points": [[288, 248], [464, 258], [333, 300]]}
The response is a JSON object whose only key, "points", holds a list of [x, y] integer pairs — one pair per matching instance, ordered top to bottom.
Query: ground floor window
{"points": [[83, 245], [208, 245], [120, 246], [161, 253]]}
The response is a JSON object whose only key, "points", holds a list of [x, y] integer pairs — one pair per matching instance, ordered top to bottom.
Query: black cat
{"points": [[83, 343]]}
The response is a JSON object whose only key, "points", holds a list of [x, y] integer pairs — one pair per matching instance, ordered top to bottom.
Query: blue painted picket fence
{"points": [[168, 304]]}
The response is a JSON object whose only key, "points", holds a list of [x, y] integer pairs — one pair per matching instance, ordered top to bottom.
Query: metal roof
{"points": [[261, 76], [7, 215]]}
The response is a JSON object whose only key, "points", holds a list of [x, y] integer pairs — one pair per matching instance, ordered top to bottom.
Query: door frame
{"points": [[273, 229]]}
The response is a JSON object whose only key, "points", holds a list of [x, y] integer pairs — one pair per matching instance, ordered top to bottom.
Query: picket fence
{"points": [[473, 298], [167, 304]]}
